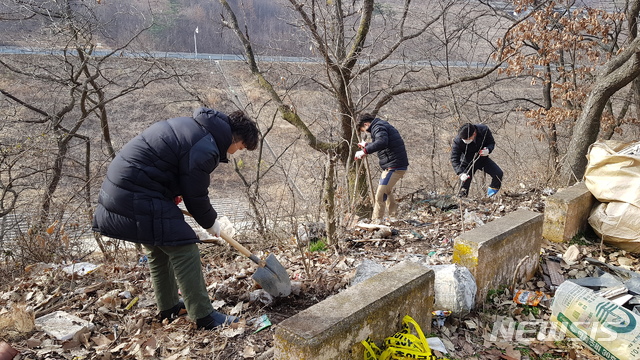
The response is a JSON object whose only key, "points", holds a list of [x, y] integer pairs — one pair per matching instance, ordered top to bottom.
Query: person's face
{"points": [[364, 127], [470, 140], [238, 145]]}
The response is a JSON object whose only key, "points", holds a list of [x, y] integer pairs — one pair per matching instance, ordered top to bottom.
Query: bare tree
{"points": [[369, 56], [620, 71], [80, 83]]}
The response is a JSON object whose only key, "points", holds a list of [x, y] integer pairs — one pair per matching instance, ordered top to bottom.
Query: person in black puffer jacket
{"points": [[470, 152], [392, 157], [170, 161]]}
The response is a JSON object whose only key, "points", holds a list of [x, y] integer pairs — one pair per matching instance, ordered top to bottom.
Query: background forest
{"points": [[548, 77]]}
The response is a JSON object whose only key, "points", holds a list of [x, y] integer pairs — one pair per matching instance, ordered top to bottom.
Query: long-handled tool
{"points": [[271, 275]]}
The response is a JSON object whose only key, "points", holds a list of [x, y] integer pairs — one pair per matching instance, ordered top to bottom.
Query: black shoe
{"points": [[463, 193], [174, 312], [214, 320]]}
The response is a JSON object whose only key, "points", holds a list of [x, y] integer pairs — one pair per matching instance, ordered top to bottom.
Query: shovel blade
{"points": [[273, 277]]}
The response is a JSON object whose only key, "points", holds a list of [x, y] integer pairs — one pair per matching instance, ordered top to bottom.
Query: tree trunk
{"points": [[618, 73]]}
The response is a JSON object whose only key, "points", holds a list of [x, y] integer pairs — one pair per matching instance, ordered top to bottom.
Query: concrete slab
{"points": [[566, 213], [501, 251], [333, 328]]}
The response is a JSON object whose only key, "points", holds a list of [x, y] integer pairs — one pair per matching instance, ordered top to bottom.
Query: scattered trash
{"points": [[442, 202], [470, 217], [311, 231], [572, 255], [81, 268], [365, 270], [552, 272], [455, 288], [262, 296], [532, 298], [131, 303], [439, 317], [262, 323], [61, 325], [608, 329], [403, 344], [436, 344]]}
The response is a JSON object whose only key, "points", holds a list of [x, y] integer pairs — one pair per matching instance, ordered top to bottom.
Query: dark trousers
{"points": [[489, 167]]}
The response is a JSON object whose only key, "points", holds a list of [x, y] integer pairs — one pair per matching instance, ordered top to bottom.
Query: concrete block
{"points": [[566, 213], [500, 251], [333, 328]]}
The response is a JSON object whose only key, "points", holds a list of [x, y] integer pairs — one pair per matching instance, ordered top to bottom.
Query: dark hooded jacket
{"points": [[388, 144], [462, 154], [170, 158]]}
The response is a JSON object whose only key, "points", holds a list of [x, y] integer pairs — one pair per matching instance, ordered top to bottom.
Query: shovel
{"points": [[271, 275]]}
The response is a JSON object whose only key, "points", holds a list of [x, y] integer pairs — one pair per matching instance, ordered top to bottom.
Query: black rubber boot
{"points": [[172, 313], [214, 320]]}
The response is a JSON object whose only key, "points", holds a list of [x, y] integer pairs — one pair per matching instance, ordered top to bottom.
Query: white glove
{"points": [[362, 144], [484, 152], [359, 155], [464, 177], [215, 229]]}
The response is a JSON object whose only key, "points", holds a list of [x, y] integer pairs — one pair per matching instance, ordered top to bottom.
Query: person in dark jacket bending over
{"points": [[470, 152], [392, 157], [137, 202]]}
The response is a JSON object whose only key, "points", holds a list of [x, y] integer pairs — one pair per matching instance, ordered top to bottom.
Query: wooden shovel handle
{"points": [[243, 250]]}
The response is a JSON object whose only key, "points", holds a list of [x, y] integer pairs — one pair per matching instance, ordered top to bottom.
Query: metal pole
{"points": [[195, 42]]}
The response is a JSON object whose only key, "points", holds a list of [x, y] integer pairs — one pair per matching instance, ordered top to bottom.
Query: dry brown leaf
{"points": [[101, 340], [249, 351], [511, 353]]}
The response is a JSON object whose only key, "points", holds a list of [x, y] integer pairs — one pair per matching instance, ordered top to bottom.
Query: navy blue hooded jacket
{"points": [[387, 142], [462, 154], [170, 158]]}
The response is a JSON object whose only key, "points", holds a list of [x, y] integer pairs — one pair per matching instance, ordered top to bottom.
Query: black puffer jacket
{"points": [[387, 142], [462, 154], [170, 158]]}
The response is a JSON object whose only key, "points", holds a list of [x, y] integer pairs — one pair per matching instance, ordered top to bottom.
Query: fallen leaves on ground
{"points": [[117, 298]]}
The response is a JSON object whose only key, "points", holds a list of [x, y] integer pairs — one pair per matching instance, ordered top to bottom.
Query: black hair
{"points": [[365, 118], [244, 129], [466, 131]]}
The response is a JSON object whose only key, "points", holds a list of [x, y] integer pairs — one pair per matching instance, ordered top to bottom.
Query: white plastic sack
{"points": [[613, 172], [618, 224], [455, 288]]}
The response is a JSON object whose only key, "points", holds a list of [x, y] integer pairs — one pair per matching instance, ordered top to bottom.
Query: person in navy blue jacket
{"points": [[387, 143], [470, 152], [137, 202]]}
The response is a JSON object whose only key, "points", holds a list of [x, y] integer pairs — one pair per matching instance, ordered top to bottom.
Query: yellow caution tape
{"points": [[402, 345], [371, 350]]}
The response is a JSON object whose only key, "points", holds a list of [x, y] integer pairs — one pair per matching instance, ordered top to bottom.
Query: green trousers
{"points": [[179, 267]]}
